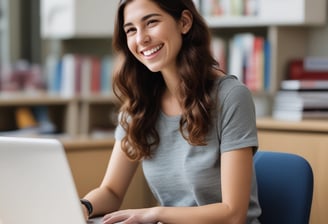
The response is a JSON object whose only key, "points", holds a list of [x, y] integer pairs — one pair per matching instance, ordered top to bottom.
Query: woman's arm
{"points": [[236, 174], [109, 195]]}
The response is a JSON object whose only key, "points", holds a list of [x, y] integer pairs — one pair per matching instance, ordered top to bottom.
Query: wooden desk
{"points": [[308, 139]]}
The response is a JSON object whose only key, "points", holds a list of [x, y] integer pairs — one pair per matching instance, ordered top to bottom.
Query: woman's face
{"points": [[153, 36]]}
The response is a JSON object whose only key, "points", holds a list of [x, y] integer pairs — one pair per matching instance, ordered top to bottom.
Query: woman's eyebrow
{"points": [[143, 18]]}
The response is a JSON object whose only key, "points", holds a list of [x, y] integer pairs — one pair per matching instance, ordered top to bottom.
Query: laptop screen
{"points": [[37, 186]]}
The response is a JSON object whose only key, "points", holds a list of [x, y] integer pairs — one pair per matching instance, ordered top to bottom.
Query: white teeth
{"points": [[152, 51]]}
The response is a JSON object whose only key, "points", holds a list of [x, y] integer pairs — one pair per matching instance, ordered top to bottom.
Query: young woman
{"points": [[190, 126]]}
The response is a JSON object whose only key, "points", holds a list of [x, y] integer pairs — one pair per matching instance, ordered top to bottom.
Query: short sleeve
{"points": [[237, 122]]}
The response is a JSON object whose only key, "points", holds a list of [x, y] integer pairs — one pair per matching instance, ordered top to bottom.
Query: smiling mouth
{"points": [[153, 50]]}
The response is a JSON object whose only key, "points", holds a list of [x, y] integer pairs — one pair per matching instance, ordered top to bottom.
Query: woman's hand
{"points": [[132, 216]]}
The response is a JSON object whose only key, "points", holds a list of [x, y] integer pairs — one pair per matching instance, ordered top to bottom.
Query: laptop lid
{"points": [[36, 184]]}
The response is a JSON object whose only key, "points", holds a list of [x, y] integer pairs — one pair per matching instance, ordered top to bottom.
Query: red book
{"points": [[258, 60], [297, 71], [95, 75]]}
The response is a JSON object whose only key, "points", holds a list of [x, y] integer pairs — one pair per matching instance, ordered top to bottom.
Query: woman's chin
{"points": [[153, 68]]}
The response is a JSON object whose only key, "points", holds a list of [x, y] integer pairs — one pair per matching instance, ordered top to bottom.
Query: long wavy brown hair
{"points": [[140, 90]]}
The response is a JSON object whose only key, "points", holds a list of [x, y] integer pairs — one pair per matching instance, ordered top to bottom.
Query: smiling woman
{"points": [[153, 36], [182, 118]]}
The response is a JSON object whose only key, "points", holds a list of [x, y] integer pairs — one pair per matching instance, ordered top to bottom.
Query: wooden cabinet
{"points": [[308, 139]]}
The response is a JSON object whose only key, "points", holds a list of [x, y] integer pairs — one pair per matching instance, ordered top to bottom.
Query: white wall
{"points": [[318, 40]]}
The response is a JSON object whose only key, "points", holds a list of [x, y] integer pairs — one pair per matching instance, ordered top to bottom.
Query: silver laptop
{"points": [[36, 185]]}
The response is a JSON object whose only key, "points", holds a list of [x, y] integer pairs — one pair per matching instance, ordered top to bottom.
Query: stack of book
{"points": [[304, 97]]}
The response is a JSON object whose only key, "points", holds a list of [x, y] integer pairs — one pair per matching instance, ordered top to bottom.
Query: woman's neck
{"points": [[170, 98], [170, 104]]}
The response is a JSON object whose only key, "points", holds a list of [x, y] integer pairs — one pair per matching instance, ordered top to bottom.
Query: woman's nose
{"points": [[143, 38]]}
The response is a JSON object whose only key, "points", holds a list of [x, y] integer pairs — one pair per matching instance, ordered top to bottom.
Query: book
{"points": [[225, 7], [237, 7], [251, 7], [212, 8], [218, 48], [318, 64], [267, 65], [235, 66], [304, 69], [86, 70], [78, 74], [106, 75], [57, 79], [95, 82], [257, 82], [304, 85], [67, 86], [301, 100], [298, 105], [298, 115]]}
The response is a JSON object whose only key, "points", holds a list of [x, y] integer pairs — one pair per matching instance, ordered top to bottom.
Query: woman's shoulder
{"points": [[228, 81], [229, 85]]}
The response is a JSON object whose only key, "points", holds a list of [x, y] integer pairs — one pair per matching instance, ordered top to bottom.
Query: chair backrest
{"points": [[285, 187]]}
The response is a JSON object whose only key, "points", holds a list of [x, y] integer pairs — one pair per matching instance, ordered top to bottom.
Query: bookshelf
{"points": [[82, 29], [285, 30]]}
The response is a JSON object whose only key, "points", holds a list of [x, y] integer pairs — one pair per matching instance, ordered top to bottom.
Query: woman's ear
{"points": [[186, 21]]}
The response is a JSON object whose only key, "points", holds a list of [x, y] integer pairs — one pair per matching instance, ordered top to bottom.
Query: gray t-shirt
{"points": [[180, 174]]}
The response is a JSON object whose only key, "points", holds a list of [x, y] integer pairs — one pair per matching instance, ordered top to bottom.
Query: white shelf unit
{"points": [[268, 13], [65, 19]]}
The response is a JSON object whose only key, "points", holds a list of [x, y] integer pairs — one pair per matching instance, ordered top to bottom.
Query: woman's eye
{"points": [[152, 22], [129, 30]]}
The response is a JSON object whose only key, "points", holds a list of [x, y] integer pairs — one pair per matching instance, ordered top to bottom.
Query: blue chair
{"points": [[285, 187]]}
